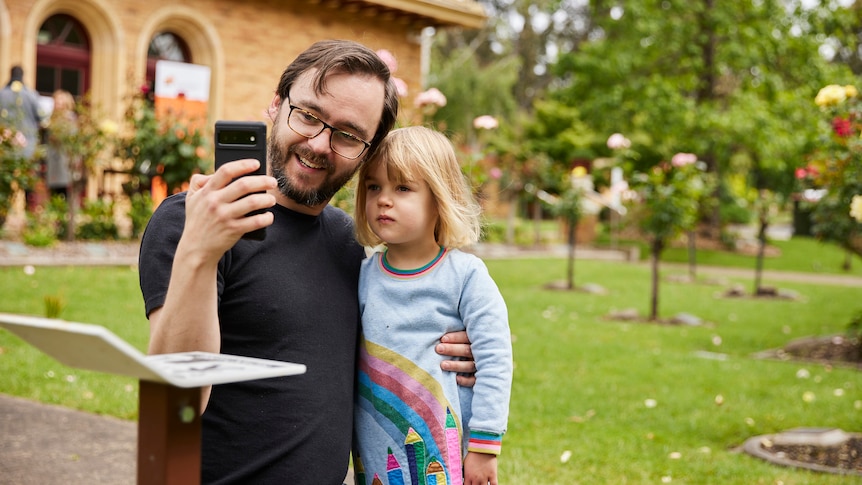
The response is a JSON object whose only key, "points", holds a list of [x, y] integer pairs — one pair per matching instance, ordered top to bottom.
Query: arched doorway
{"points": [[62, 56]]}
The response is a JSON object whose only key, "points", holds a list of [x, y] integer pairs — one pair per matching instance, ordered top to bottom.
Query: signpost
{"points": [[169, 423]]}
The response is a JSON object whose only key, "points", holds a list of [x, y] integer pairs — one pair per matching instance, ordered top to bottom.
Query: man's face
{"points": [[309, 173]]}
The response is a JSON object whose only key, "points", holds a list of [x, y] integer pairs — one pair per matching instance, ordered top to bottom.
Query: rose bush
{"points": [[167, 146], [16, 170], [834, 171]]}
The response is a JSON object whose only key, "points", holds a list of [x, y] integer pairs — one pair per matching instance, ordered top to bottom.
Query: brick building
{"points": [[108, 48]]}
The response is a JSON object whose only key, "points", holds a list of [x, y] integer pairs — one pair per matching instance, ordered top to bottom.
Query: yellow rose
{"points": [[850, 91], [830, 95], [108, 127], [856, 208]]}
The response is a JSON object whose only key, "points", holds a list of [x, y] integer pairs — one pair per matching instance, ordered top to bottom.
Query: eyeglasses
{"points": [[341, 142]]}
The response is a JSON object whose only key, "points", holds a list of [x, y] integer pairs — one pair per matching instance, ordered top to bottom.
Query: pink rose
{"points": [[389, 59], [400, 86], [430, 97], [485, 122], [617, 141], [683, 159]]}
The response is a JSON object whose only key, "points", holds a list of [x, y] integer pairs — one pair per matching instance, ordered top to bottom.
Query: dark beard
{"points": [[279, 158]]}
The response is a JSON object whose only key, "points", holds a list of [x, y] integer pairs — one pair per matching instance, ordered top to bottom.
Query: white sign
{"points": [[180, 78], [96, 348]]}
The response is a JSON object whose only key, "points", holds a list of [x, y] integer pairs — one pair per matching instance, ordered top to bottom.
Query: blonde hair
{"points": [[64, 103], [416, 153]]}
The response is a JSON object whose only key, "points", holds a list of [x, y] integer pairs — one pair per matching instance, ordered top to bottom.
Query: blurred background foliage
{"points": [[733, 82]]}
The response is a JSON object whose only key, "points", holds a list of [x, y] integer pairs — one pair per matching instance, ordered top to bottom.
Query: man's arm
{"points": [[215, 220], [457, 344]]}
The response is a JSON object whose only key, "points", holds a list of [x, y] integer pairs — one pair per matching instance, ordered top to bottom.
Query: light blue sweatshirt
{"points": [[413, 423]]}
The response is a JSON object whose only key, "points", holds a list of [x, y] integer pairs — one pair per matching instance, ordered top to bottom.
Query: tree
{"points": [[696, 77], [473, 87], [85, 139], [668, 202], [568, 207]]}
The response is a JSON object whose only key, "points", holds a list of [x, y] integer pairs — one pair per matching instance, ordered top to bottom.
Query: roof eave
{"points": [[458, 13]]}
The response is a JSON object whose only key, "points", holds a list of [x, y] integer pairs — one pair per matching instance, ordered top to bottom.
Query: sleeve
{"points": [[40, 116], [158, 246], [484, 313]]}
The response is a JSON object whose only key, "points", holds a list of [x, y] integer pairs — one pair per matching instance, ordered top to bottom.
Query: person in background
{"points": [[20, 110], [61, 164], [291, 297], [411, 419]]}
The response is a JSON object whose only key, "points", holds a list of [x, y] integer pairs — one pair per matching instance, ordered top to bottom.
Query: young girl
{"points": [[62, 166], [413, 423]]}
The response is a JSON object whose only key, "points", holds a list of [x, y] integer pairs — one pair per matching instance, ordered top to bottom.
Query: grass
{"points": [[802, 254], [104, 296], [582, 383]]}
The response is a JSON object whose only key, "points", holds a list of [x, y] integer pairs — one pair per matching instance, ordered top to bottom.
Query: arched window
{"points": [[165, 46], [62, 56]]}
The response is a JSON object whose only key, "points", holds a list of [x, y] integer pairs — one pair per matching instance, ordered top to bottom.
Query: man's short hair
{"points": [[348, 57]]}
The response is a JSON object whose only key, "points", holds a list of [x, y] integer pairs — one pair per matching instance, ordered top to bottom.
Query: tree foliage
{"points": [[726, 80], [731, 81], [473, 86]]}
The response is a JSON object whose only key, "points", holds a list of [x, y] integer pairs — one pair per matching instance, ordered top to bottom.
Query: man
{"points": [[20, 109], [292, 296]]}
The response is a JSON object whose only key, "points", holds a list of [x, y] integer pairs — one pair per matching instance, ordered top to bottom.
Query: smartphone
{"points": [[236, 140]]}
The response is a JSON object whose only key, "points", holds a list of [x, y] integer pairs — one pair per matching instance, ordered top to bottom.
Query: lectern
{"points": [[169, 423]]}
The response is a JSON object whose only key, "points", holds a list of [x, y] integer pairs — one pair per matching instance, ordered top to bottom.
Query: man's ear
{"points": [[274, 106]]}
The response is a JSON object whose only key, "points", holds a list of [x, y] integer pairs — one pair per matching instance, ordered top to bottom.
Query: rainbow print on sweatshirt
{"points": [[418, 417]]}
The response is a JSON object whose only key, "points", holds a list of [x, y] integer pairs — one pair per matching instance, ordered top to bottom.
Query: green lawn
{"points": [[803, 254], [582, 382], [584, 385]]}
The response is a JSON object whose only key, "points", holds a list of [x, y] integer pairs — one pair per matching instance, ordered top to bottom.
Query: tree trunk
{"points": [[707, 43], [73, 193], [511, 218], [537, 223], [572, 239], [854, 245], [657, 247], [761, 251], [692, 255]]}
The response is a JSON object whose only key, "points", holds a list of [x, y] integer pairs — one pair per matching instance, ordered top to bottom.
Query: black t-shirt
{"points": [[291, 297]]}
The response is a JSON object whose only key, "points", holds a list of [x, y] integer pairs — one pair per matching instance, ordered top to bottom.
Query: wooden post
{"points": [[169, 435]]}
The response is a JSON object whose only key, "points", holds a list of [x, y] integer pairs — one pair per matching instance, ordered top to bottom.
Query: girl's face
{"points": [[401, 214]]}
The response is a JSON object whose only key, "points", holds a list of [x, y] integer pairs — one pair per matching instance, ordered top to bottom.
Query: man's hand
{"points": [[217, 204], [457, 344]]}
